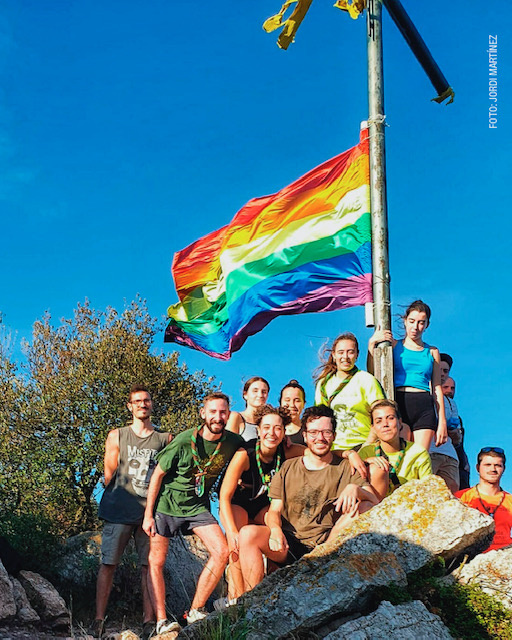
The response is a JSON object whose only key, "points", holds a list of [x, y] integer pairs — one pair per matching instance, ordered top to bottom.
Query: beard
{"points": [[216, 426]]}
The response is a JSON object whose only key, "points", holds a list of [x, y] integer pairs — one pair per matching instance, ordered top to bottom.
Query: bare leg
{"points": [[423, 437], [213, 539], [253, 544], [158, 547], [235, 578], [103, 588], [147, 606]]}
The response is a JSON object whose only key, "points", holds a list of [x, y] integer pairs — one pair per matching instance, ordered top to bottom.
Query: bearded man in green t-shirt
{"points": [[179, 488]]}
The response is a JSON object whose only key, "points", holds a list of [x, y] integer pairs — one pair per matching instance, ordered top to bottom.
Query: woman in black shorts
{"points": [[417, 377], [244, 493]]}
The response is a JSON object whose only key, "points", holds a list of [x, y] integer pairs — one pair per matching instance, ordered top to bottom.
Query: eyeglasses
{"points": [[140, 402], [315, 434], [497, 450]]}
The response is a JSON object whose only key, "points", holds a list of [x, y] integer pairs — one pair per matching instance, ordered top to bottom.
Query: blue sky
{"points": [[130, 129]]}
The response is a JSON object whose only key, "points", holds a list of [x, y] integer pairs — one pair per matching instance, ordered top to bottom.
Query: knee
{"points": [[249, 537], [220, 552]]}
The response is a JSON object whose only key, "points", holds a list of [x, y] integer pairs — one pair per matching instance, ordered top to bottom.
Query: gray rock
{"points": [[425, 514], [418, 522], [186, 559], [492, 572], [45, 599], [7, 603], [24, 612], [411, 621]]}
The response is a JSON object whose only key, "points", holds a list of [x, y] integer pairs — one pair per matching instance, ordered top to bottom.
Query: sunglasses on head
{"points": [[497, 450]]}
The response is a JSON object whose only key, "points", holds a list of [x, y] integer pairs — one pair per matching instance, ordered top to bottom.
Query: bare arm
{"points": [[379, 336], [235, 421], [442, 431], [111, 460], [239, 463], [153, 490], [351, 495], [277, 541]]}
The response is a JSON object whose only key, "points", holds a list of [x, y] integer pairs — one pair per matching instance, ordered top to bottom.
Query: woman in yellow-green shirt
{"points": [[349, 392]]}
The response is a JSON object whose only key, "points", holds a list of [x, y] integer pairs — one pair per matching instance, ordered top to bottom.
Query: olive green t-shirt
{"points": [[177, 495], [308, 497]]}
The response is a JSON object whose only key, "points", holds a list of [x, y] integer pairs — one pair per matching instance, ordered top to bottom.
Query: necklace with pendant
{"points": [[200, 475], [487, 509]]}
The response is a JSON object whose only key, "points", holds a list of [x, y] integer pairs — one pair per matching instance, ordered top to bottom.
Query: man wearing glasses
{"points": [[129, 462], [488, 496], [313, 498]]}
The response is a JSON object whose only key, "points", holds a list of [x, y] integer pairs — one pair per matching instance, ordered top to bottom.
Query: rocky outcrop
{"points": [[419, 522], [186, 559], [492, 572], [45, 599], [7, 603], [24, 611], [411, 621]]}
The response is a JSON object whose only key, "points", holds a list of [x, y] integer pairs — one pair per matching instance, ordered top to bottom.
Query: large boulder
{"points": [[418, 522], [186, 559], [492, 572], [45, 599], [7, 602], [24, 611], [411, 621]]}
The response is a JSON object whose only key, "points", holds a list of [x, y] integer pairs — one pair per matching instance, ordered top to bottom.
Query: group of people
{"points": [[288, 477]]}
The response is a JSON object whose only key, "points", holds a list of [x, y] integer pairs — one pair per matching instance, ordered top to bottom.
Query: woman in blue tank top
{"points": [[417, 377]]}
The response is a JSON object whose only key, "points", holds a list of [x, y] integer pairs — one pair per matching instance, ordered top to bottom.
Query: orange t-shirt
{"points": [[502, 514]]}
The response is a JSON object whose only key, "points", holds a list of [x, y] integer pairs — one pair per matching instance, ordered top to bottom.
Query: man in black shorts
{"points": [[186, 471], [313, 497]]}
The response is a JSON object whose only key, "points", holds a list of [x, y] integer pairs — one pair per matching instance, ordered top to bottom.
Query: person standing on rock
{"points": [[392, 460], [129, 461], [179, 489], [488, 496], [313, 497]]}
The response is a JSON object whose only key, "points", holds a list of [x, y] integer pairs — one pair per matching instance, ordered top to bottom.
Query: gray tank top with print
{"points": [[124, 499]]}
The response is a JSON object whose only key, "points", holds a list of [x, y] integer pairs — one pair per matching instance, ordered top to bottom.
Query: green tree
{"points": [[56, 413]]}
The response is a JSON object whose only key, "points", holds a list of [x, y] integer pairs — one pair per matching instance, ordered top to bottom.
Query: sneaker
{"points": [[223, 603], [194, 615], [166, 626], [148, 628], [95, 629]]}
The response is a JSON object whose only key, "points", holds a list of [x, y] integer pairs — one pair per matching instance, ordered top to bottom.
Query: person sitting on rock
{"points": [[392, 460], [244, 492], [488, 496], [313, 497]]}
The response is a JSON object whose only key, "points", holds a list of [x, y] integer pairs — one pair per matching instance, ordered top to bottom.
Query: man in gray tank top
{"points": [[129, 462]]}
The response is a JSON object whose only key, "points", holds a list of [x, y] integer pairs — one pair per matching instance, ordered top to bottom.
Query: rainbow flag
{"points": [[306, 248]]}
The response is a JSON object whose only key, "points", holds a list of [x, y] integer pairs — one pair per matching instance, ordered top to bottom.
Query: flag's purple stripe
{"points": [[345, 293]]}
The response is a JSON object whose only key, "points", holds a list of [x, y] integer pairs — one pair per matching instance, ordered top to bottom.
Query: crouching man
{"points": [[313, 497]]}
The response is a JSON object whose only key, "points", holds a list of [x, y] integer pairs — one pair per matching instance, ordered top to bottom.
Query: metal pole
{"points": [[383, 355]]}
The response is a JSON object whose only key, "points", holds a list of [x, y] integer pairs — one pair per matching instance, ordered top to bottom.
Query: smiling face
{"points": [[415, 324], [345, 355], [257, 394], [293, 400], [140, 405], [215, 414], [385, 424], [271, 431], [318, 436], [490, 469]]}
